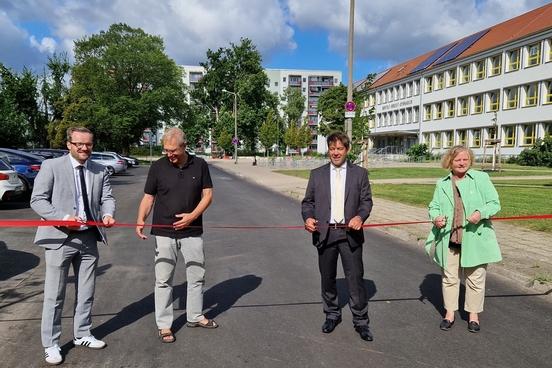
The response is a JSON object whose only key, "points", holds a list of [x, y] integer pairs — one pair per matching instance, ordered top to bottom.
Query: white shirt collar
{"points": [[76, 164], [343, 167]]}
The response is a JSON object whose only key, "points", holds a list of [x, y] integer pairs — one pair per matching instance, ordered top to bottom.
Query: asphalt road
{"points": [[263, 289]]}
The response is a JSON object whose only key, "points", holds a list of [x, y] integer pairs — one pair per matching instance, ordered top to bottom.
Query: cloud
{"points": [[188, 27], [394, 31]]}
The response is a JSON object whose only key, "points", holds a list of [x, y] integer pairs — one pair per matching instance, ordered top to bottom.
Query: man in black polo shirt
{"points": [[179, 189]]}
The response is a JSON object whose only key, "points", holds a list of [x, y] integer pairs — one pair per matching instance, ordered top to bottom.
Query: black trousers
{"points": [[353, 268]]}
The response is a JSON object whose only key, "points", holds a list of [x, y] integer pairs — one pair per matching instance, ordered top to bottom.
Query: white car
{"points": [[114, 163], [10, 184]]}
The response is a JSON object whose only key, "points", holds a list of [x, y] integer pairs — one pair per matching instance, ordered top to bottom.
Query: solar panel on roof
{"points": [[461, 47], [430, 59]]}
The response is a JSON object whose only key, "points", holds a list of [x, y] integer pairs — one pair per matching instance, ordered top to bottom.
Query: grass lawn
{"points": [[518, 197]]}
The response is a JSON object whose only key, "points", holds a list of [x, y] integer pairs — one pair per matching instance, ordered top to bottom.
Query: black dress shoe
{"points": [[330, 324], [446, 324], [473, 326], [364, 332]]}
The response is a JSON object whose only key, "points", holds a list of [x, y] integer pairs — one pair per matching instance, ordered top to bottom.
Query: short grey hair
{"points": [[71, 130], [176, 134]]}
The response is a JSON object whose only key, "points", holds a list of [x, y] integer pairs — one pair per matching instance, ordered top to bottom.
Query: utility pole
{"points": [[349, 121], [235, 139]]}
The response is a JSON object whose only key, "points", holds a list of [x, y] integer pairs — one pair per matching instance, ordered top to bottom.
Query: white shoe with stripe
{"points": [[89, 342], [52, 355]]}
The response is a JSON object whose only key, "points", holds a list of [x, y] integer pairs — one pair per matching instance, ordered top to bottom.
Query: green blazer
{"points": [[479, 245]]}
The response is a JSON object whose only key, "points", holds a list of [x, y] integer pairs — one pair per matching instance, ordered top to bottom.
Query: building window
{"points": [[549, 53], [533, 54], [512, 59], [495, 63], [479, 70], [464, 74], [451, 78], [283, 79], [305, 80], [440, 81], [275, 84], [429, 84], [415, 87], [304, 89], [408, 90], [547, 92], [531, 93], [511, 98], [494, 101], [477, 104], [463, 106], [450, 108], [439, 110], [427, 112], [415, 115], [548, 129], [491, 133], [461, 134], [509, 134], [528, 134], [425, 138], [476, 138], [437, 140], [448, 140]]}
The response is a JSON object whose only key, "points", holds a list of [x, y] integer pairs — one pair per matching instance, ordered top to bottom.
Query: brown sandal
{"points": [[209, 324], [166, 337]]}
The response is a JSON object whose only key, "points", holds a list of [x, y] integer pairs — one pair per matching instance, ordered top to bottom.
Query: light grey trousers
{"points": [[81, 251], [166, 255]]}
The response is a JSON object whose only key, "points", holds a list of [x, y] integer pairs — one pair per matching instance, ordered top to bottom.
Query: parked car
{"points": [[46, 152], [131, 161], [114, 163], [26, 164], [10, 184]]}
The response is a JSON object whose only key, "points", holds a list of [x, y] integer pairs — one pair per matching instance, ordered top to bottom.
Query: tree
{"points": [[237, 69], [123, 83], [54, 96], [17, 99], [293, 105], [331, 105], [268, 132], [298, 137]]}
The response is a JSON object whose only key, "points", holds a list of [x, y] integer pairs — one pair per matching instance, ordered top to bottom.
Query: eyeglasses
{"points": [[82, 145]]}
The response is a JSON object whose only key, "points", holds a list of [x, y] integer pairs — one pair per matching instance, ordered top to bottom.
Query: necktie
{"points": [[84, 194], [338, 202]]}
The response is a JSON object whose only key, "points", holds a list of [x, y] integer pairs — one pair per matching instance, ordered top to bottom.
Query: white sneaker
{"points": [[89, 342], [52, 355]]}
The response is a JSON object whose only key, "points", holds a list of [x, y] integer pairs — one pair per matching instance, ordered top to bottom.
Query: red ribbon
{"points": [[35, 223]]}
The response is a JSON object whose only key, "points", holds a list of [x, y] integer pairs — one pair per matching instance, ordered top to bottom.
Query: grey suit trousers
{"points": [[80, 250]]}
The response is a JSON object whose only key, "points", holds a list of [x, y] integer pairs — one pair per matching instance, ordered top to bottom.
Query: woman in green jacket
{"points": [[464, 237]]}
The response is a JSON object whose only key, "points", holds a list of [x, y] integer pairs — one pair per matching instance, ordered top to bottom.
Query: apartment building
{"points": [[311, 83], [491, 87]]}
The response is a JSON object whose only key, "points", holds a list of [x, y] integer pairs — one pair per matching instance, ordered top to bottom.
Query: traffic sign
{"points": [[350, 106], [350, 114], [235, 141]]}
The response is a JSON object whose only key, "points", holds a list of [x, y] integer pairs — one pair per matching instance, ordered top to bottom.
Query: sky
{"points": [[290, 34]]}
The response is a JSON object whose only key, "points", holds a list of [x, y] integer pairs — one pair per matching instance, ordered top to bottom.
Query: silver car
{"points": [[114, 163], [10, 184]]}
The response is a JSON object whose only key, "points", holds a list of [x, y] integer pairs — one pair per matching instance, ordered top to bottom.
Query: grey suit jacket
{"points": [[53, 198], [317, 201]]}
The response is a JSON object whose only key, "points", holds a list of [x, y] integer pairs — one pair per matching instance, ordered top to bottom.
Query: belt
{"points": [[336, 226]]}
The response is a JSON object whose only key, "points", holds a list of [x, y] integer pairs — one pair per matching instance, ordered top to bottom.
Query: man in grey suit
{"points": [[71, 188], [337, 201]]}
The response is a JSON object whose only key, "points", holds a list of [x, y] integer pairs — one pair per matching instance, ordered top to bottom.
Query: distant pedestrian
{"points": [[76, 189], [178, 189], [337, 201], [463, 234]]}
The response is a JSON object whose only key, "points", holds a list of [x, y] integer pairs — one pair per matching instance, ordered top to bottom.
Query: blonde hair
{"points": [[176, 134], [446, 162]]}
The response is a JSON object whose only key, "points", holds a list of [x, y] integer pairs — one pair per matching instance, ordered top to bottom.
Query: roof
{"points": [[525, 25]]}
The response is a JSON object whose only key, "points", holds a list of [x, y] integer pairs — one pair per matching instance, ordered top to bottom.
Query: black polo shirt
{"points": [[177, 190]]}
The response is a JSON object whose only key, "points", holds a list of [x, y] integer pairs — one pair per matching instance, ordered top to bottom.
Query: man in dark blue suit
{"points": [[337, 201]]}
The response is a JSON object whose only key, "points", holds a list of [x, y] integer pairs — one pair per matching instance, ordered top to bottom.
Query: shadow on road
{"points": [[15, 262], [431, 290], [221, 297], [218, 299]]}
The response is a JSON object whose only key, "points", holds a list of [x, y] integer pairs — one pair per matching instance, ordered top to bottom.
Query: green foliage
{"points": [[237, 69], [123, 83], [54, 97], [293, 105], [13, 122], [268, 132], [298, 137], [224, 141], [418, 152], [538, 155]]}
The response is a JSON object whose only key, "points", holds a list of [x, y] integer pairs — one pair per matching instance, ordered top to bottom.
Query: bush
{"points": [[418, 152], [538, 155]]}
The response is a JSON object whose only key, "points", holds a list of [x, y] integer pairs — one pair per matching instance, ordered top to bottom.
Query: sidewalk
{"points": [[527, 254]]}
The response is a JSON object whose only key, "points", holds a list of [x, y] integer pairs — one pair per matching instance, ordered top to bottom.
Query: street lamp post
{"points": [[235, 140]]}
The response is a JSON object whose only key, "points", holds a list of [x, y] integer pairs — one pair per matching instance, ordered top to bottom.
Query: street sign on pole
{"points": [[350, 106], [349, 114]]}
